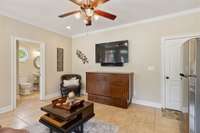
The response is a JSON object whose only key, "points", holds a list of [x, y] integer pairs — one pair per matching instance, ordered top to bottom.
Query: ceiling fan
{"points": [[88, 10]]}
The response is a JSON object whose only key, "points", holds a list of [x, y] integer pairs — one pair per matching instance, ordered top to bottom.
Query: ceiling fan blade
{"points": [[77, 2], [98, 2], [69, 13], [105, 14]]}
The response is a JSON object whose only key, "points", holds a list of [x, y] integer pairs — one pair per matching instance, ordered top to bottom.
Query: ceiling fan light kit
{"points": [[88, 11], [77, 15], [96, 17]]}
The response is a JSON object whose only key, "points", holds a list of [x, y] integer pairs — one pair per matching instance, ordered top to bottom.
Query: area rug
{"points": [[92, 126]]}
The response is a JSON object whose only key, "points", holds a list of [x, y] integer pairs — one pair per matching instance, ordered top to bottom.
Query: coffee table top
{"points": [[63, 114]]}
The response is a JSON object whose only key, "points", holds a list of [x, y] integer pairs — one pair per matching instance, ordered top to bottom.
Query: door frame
{"points": [[163, 39], [14, 40]]}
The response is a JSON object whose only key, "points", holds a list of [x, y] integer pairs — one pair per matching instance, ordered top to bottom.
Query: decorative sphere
{"points": [[71, 95]]}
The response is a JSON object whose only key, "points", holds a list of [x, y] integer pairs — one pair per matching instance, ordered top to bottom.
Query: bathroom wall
{"points": [[27, 69]]}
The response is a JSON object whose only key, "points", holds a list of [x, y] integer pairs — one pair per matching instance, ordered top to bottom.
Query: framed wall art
{"points": [[60, 59]]}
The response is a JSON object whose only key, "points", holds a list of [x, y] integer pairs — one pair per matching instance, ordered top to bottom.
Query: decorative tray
{"points": [[68, 105]]}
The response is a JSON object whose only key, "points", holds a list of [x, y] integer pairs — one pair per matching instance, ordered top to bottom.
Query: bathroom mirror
{"points": [[36, 62]]}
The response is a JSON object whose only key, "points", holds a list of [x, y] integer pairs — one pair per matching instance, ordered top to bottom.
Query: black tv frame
{"points": [[111, 63]]}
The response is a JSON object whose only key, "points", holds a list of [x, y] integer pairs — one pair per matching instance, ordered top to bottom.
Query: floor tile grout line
{"points": [[149, 120], [27, 123]]}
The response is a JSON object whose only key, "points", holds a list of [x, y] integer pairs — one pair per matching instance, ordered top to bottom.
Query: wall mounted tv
{"points": [[112, 53]]}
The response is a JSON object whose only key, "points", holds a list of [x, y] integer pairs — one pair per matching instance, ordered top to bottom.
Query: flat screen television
{"points": [[112, 53]]}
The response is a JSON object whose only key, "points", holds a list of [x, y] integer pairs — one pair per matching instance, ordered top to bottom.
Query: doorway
{"points": [[27, 70], [174, 87]]}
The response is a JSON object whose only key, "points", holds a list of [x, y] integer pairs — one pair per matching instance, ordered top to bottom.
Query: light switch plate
{"points": [[151, 68]]}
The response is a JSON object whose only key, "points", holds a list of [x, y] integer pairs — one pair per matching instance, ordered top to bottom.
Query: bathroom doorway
{"points": [[27, 71]]}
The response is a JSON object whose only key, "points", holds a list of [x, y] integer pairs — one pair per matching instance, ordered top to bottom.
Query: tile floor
{"points": [[135, 119]]}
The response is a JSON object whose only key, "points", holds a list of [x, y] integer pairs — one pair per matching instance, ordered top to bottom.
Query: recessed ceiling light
{"points": [[77, 15], [96, 17], [85, 21], [68, 27]]}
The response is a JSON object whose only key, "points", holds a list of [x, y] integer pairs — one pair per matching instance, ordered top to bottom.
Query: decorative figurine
{"points": [[82, 56]]}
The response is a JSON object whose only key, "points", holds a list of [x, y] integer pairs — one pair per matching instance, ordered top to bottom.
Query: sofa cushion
{"points": [[71, 82]]}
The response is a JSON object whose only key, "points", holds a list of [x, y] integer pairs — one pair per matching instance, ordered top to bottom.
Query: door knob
{"points": [[183, 75], [167, 77]]}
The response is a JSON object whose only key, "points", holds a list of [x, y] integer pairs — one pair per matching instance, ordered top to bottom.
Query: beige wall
{"points": [[10, 27], [144, 51]]}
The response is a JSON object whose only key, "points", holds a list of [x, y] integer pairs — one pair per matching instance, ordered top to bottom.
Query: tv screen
{"points": [[112, 52]]}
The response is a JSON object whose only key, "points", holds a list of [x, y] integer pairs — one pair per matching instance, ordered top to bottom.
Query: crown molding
{"points": [[154, 19], [29, 23]]}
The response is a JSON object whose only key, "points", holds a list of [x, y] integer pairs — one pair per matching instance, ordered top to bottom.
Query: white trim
{"points": [[163, 17], [159, 18], [189, 35], [14, 40], [42, 71], [13, 73], [162, 77], [84, 93], [52, 95], [146, 103], [5, 109], [184, 109]]}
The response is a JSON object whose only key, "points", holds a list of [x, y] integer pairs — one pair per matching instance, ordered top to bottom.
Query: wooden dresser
{"points": [[110, 88]]}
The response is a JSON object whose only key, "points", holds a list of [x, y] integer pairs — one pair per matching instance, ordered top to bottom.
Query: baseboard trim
{"points": [[84, 94], [52, 95], [147, 103], [5, 109], [184, 109]]}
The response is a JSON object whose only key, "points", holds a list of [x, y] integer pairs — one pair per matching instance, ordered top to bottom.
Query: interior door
{"points": [[175, 85], [193, 117]]}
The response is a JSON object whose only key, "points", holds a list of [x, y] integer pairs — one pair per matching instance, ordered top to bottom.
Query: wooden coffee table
{"points": [[62, 121]]}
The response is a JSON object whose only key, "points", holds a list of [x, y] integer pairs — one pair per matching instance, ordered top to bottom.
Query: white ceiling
{"points": [[43, 13]]}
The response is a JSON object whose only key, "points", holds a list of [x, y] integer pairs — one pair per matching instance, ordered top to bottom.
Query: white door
{"points": [[173, 66]]}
